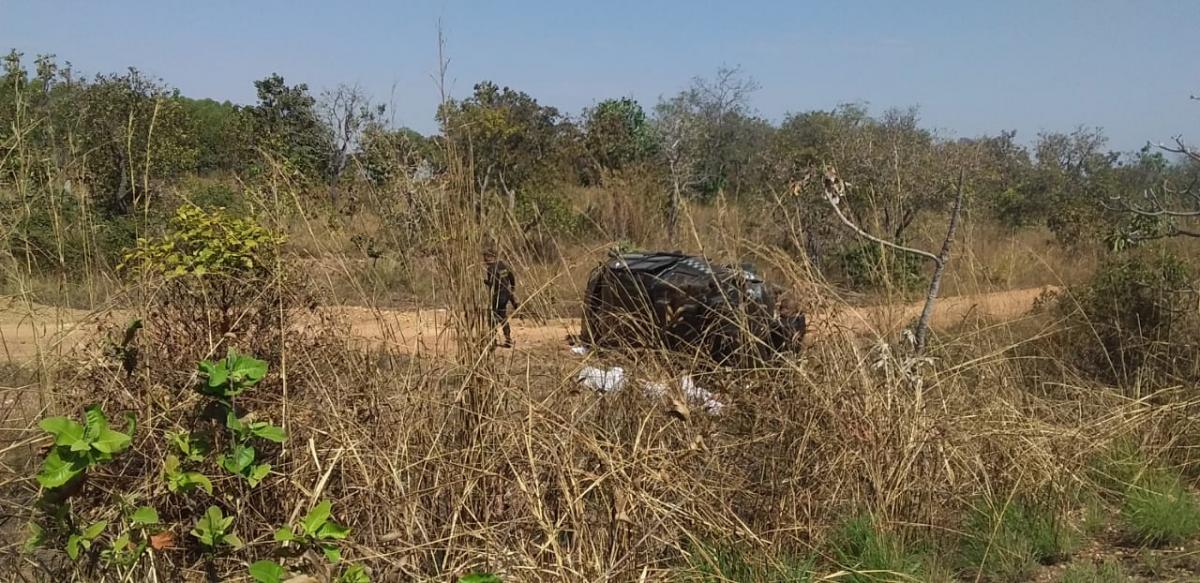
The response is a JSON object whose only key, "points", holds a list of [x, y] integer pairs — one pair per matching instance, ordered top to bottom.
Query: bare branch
{"points": [[835, 192]]}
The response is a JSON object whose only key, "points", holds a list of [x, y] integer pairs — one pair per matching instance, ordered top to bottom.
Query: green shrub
{"points": [[873, 266], [1135, 317], [1160, 509], [1007, 542], [872, 554]]}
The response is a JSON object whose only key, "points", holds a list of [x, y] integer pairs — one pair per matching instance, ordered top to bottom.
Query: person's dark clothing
{"points": [[502, 288]]}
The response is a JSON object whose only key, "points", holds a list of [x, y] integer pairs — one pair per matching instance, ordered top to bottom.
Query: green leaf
{"points": [[246, 369], [215, 374], [96, 422], [130, 423], [233, 423], [65, 431], [268, 432], [111, 442], [240, 458], [57, 471], [257, 473], [196, 479], [144, 516], [316, 517], [210, 528], [94, 529], [332, 530], [285, 534], [37, 537], [233, 541], [73, 546], [332, 553], [267, 572], [354, 574]]}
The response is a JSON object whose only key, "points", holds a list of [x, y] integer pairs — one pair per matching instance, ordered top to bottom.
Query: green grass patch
{"points": [[1160, 510], [1007, 542], [872, 554], [720, 564], [1106, 572]]}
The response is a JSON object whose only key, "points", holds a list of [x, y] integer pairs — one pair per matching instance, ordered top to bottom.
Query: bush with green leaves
{"points": [[201, 242], [873, 266], [1135, 317], [78, 447], [1007, 540], [129, 546], [268, 571]]}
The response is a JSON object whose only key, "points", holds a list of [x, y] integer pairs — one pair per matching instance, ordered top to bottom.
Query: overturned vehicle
{"points": [[686, 303]]}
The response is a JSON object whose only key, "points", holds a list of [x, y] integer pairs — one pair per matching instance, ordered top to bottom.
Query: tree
{"points": [[346, 112], [286, 124], [133, 130], [616, 135], [723, 135], [509, 138], [223, 139], [835, 193], [1169, 204]]}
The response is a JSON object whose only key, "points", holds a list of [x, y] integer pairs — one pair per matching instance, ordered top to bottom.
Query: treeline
{"points": [[121, 138]]}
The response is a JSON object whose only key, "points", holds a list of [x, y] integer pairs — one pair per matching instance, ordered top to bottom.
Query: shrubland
{"points": [[221, 421]]}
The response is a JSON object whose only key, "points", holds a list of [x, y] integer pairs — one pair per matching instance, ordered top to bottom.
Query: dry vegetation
{"points": [[1056, 442]]}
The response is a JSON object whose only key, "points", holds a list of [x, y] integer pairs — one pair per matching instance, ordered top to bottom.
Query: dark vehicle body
{"points": [[685, 303]]}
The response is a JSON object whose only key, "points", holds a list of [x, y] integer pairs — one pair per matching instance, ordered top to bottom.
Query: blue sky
{"points": [[971, 66]]}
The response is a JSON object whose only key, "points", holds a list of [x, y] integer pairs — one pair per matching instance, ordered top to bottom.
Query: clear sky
{"points": [[971, 66]]}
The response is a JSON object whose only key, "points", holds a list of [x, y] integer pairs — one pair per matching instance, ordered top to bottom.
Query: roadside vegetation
{"points": [[220, 420]]}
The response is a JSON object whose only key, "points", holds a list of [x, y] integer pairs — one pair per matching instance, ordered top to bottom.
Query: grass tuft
{"points": [[1159, 509], [1009, 542]]}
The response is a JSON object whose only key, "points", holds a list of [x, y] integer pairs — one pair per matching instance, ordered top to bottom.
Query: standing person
{"points": [[502, 289]]}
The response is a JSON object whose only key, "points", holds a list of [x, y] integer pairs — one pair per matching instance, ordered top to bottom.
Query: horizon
{"points": [[971, 71]]}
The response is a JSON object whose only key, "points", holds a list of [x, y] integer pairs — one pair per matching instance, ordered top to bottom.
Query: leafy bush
{"points": [[202, 242], [873, 266], [1135, 317], [79, 447], [1160, 509], [1007, 542], [872, 554]]}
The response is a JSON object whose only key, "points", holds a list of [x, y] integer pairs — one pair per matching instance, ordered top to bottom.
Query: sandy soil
{"points": [[25, 328]]}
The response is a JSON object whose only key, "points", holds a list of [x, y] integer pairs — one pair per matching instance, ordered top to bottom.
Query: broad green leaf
{"points": [[247, 369], [215, 374], [96, 422], [233, 423], [65, 431], [269, 432], [111, 442], [237, 460], [57, 471], [257, 473], [196, 479], [144, 516], [316, 517], [210, 528], [94, 529], [332, 530], [285, 534], [37, 537], [233, 541], [73, 546], [332, 553], [267, 572], [354, 574]]}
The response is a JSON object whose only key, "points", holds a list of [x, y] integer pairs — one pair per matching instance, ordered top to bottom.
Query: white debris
{"points": [[580, 350], [602, 380], [605, 381]]}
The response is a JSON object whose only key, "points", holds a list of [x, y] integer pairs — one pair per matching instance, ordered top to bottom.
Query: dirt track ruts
{"points": [[23, 328]]}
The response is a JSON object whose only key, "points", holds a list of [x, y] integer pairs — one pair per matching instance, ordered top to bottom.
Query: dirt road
{"points": [[24, 328]]}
